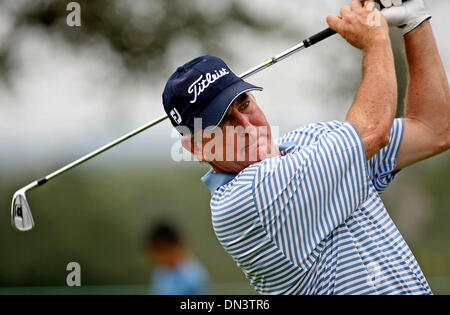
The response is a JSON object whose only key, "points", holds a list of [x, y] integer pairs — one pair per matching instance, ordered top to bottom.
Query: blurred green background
{"points": [[65, 91]]}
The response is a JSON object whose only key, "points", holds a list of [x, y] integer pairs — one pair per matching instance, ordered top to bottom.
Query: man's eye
{"points": [[244, 106]]}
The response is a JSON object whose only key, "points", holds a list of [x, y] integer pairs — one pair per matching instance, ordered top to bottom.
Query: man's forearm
{"points": [[428, 97], [375, 104]]}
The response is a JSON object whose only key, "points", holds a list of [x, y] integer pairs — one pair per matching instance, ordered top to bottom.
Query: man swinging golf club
{"points": [[303, 215]]}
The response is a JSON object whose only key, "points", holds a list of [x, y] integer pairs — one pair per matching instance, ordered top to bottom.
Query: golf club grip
{"points": [[318, 37]]}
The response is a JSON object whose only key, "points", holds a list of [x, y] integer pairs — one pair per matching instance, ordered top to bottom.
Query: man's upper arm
{"points": [[419, 143], [382, 166]]}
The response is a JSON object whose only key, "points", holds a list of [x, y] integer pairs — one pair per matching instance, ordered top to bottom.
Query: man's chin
{"points": [[267, 152], [261, 155], [265, 155]]}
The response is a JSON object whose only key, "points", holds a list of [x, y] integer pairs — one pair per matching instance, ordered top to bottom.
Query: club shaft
{"points": [[289, 52], [272, 61]]}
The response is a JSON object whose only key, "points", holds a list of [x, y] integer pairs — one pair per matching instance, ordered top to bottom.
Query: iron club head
{"points": [[21, 217]]}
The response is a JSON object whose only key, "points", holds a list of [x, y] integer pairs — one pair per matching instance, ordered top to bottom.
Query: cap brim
{"points": [[216, 110]]}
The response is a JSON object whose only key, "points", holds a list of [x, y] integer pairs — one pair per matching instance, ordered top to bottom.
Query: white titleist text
{"points": [[200, 85]]}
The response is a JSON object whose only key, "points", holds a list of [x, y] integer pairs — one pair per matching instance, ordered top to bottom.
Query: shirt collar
{"points": [[215, 180]]}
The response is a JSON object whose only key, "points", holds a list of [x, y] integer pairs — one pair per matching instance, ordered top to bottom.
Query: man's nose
{"points": [[242, 119], [244, 126]]}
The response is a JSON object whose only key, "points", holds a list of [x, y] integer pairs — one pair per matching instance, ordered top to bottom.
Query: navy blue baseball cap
{"points": [[203, 88]]}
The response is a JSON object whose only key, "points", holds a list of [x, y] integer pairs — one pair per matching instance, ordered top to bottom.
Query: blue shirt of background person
{"points": [[176, 271], [189, 277]]}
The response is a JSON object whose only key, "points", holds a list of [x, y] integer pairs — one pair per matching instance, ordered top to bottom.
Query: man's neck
{"points": [[236, 167]]}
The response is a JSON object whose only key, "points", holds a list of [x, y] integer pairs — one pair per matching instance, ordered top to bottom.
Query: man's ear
{"points": [[192, 146]]}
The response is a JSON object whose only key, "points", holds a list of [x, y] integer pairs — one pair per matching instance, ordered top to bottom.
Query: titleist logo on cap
{"points": [[200, 85]]}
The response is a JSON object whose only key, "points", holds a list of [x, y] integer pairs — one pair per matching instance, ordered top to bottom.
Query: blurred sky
{"points": [[64, 102]]}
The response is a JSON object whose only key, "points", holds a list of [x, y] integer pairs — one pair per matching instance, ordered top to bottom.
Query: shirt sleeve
{"points": [[382, 165], [303, 196]]}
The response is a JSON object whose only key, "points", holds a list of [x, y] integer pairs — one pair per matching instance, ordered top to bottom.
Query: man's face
{"points": [[243, 137]]}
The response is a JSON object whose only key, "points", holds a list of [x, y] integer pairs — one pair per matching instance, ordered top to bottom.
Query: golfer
{"points": [[303, 215]]}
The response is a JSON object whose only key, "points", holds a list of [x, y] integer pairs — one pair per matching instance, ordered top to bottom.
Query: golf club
{"points": [[21, 217]]}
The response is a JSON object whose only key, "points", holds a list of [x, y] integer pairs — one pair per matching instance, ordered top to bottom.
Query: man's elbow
{"points": [[381, 133], [441, 137], [382, 138], [375, 141], [447, 142], [444, 143]]}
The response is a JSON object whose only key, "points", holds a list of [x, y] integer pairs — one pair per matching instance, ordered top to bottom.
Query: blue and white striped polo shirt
{"points": [[311, 221]]}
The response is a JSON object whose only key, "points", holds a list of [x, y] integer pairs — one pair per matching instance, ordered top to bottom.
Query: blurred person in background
{"points": [[177, 271]]}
